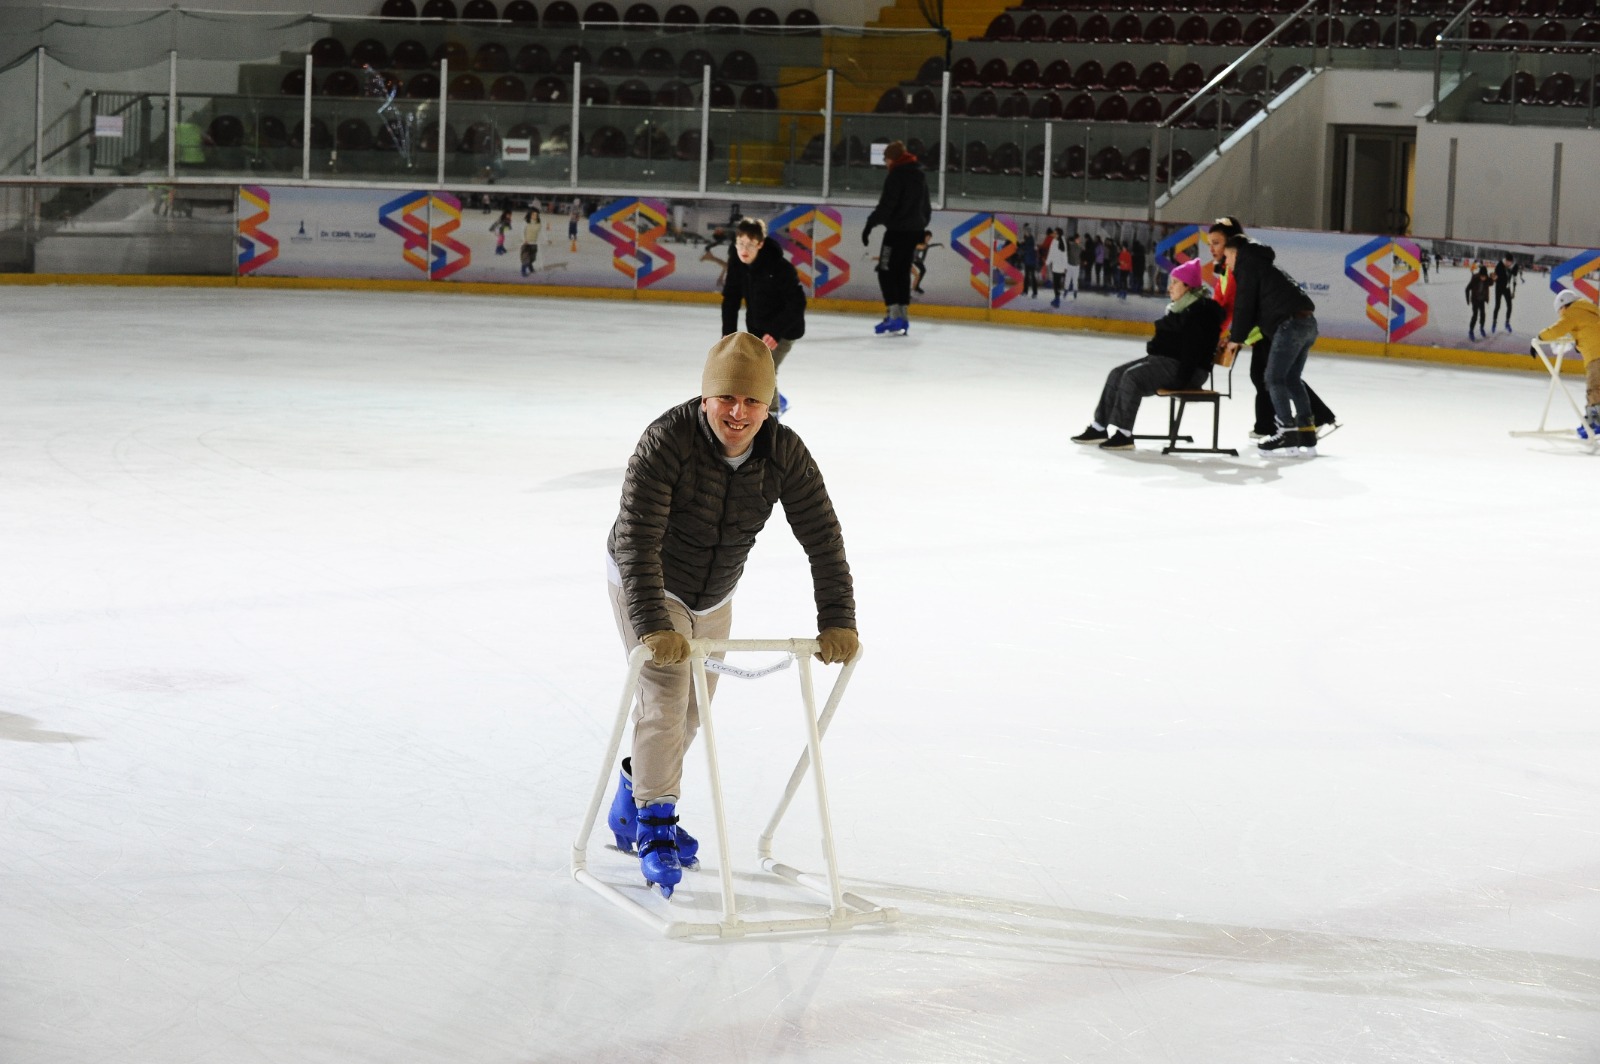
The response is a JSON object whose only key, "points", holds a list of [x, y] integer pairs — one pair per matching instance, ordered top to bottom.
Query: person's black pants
{"points": [[894, 267], [1265, 419]]}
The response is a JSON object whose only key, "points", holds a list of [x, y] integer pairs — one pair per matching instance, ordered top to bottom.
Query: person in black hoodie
{"points": [[904, 212], [1217, 237], [767, 284], [1267, 298], [1178, 356]]}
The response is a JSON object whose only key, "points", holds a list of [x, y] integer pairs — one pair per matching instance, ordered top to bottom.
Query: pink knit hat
{"points": [[1189, 274]]}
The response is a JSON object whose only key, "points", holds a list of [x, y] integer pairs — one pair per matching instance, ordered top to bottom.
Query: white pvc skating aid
{"points": [[1552, 355], [845, 909]]}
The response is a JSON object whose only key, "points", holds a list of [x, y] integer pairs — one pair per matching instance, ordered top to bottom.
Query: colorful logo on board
{"points": [[425, 222], [634, 228], [810, 237], [989, 243], [1182, 245], [256, 246], [1385, 269], [1578, 272]]}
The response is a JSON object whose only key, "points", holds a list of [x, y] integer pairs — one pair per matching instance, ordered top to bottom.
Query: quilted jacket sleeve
{"points": [[809, 511]]}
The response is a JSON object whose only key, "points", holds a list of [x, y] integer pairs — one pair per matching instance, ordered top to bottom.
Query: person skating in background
{"points": [[904, 212], [574, 216], [532, 225], [499, 227], [1028, 258], [919, 259], [1055, 260], [1074, 261], [1086, 263], [1124, 271], [1506, 275], [1479, 286], [1266, 297], [775, 301], [1578, 320], [1260, 344], [1178, 356], [700, 486]]}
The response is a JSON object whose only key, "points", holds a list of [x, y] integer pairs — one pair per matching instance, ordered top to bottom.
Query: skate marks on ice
{"points": [[1250, 469], [16, 728], [1322, 962]]}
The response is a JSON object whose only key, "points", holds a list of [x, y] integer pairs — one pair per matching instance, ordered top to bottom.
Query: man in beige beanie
{"points": [[700, 485]]}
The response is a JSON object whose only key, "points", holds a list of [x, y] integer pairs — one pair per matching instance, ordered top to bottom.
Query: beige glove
{"points": [[838, 644], [666, 648]]}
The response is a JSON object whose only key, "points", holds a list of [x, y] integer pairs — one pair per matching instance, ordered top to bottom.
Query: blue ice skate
{"points": [[624, 820], [658, 846]]}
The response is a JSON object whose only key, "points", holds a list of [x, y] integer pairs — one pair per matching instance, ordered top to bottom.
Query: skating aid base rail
{"points": [[845, 910]]}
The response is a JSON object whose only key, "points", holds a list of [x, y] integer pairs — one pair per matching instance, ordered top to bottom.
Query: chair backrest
{"points": [[1058, 75]]}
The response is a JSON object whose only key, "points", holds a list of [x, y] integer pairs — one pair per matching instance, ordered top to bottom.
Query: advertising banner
{"points": [[1374, 289]]}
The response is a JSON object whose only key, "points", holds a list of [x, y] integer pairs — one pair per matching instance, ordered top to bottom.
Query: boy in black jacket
{"points": [[1267, 298], [774, 299]]}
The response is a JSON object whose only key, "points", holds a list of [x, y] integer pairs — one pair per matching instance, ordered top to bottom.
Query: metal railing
{"points": [[1213, 90]]}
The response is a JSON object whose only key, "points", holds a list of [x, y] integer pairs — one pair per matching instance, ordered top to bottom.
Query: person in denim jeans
{"points": [[1267, 298]]}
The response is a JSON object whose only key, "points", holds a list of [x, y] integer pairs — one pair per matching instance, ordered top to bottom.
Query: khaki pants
{"points": [[1591, 370], [665, 717]]}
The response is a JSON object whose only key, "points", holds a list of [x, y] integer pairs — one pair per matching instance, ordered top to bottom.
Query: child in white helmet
{"points": [[1579, 321]]}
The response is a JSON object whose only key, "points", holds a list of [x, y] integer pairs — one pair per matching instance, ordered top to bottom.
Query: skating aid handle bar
{"points": [[798, 647]]}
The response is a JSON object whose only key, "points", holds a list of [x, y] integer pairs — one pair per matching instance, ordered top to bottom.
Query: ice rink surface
{"points": [[308, 669]]}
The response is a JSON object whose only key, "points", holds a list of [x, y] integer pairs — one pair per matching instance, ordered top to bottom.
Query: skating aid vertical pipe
{"points": [[702, 694], [814, 746], [764, 844], [580, 847]]}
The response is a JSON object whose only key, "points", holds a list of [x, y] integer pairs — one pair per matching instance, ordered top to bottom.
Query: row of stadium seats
{"points": [[600, 12], [1018, 21], [1229, 30], [329, 53], [1088, 75], [551, 88], [1559, 89], [1106, 107], [356, 134], [1009, 160]]}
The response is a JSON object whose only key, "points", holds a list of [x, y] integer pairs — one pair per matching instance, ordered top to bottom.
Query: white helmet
{"points": [[1565, 296]]}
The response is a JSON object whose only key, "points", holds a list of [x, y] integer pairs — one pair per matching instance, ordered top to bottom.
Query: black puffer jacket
{"points": [[903, 205], [771, 291], [1264, 295], [1190, 336], [688, 520]]}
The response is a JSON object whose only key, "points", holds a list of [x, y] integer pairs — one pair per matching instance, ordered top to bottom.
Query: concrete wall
{"points": [[1278, 173], [1504, 185]]}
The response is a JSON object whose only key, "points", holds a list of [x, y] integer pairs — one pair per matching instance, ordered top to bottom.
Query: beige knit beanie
{"points": [[739, 364]]}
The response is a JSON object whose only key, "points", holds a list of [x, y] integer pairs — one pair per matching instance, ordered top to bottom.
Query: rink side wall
{"points": [[1378, 296]]}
